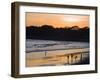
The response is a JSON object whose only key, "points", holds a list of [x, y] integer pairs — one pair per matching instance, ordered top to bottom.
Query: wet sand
{"points": [[57, 57]]}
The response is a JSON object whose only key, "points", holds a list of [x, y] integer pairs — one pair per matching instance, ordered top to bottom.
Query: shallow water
{"points": [[45, 45]]}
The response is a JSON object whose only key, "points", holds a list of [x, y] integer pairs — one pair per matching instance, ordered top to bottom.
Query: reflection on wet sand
{"points": [[59, 57]]}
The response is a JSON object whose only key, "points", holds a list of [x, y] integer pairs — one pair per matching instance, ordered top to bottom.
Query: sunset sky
{"points": [[56, 20]]}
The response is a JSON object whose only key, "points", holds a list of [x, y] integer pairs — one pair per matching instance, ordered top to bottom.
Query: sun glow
{"points": [[70, 19]]}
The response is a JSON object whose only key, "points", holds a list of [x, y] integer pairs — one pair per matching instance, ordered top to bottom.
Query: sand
{"points": [[57, 57]]}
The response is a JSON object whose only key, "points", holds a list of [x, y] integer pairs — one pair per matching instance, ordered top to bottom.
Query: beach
{"points": [[54, 53]]}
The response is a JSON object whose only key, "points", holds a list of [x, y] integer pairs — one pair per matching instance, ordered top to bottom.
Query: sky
{"points": [[56, 20]]}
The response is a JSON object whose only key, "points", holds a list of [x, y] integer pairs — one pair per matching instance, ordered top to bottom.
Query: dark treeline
{"points": [[48, 32]]}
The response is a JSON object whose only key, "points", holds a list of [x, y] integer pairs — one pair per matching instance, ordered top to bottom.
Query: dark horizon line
{"points": [[58, 27]]}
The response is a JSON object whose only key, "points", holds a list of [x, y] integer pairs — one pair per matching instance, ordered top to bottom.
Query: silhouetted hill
{"points": [[48, 32]]}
